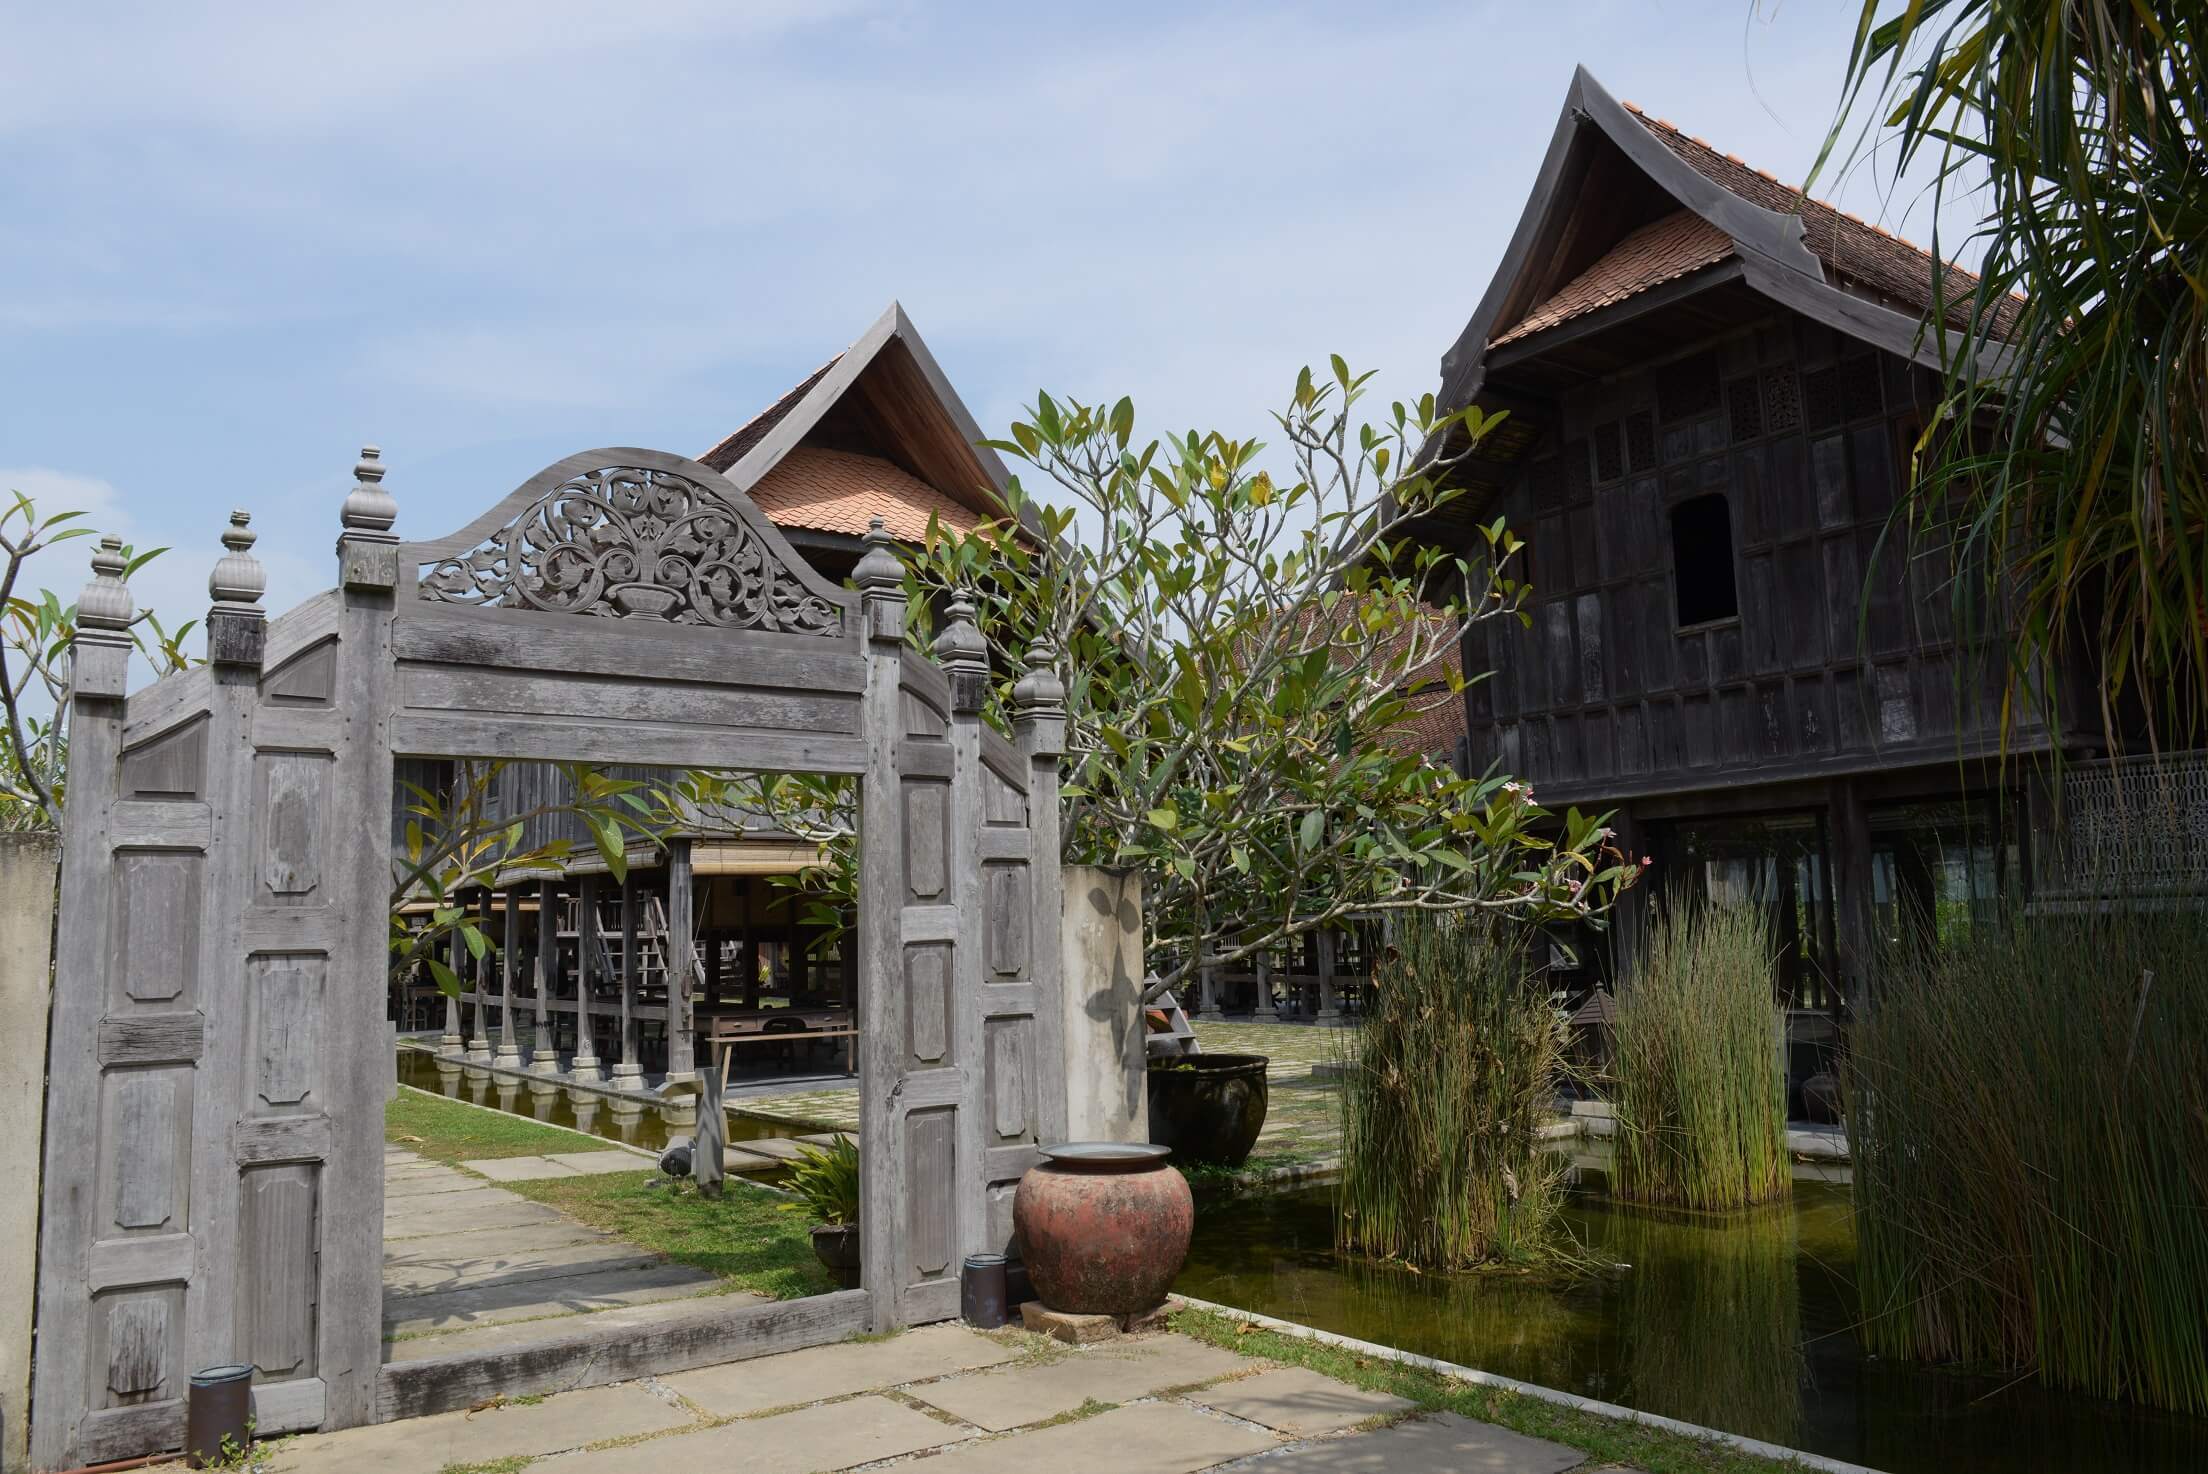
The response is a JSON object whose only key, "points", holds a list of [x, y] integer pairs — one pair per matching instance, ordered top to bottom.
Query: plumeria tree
{"points": [[1246, 636]]}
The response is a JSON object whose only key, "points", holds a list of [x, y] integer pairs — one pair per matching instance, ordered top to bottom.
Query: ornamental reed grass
{"points": [[1455, 1061], [1701, 1102], [2028, 1114]]}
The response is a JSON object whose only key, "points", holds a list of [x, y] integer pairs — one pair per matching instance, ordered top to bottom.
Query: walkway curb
{"points": [[1754, 1446]]}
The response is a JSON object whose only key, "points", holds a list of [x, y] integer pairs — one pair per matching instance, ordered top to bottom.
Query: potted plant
{"points": [[826, 1181]]}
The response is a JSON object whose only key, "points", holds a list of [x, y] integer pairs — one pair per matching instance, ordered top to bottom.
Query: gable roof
{"points": [[1577, 250], [924, 449], [842, 491]]}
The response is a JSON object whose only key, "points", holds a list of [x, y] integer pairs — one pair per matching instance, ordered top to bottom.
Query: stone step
{"points": [[530, 1298], [477, 1339]]}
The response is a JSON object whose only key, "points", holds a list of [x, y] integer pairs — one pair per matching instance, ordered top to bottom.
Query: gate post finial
{"points": [[367, 550], [881, 580], [237, 629], [100, 655], [964, 656], [1039, 701]]}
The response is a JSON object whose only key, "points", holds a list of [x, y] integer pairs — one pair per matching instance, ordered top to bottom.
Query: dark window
{"points": [[1702, 559]]}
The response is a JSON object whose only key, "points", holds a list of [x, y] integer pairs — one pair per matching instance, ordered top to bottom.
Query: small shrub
{"points": [[1457, 1056], [1701, 1097], [826, 1179]]}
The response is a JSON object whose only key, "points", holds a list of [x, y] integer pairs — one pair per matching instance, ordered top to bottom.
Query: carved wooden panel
{"points": [[635, 542], [307, 679], [921, 719], [173, 765], [1001, 803], [293, 819], [927, 839], [1005, 911], [154, 933], [928, 1003], [284, 1006], [1011, 1078], [145, 1135], [930, 1191], [277, 1270], [137, 1346]]}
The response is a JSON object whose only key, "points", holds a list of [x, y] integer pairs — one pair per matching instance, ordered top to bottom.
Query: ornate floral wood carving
{"points": [[629, 542]]}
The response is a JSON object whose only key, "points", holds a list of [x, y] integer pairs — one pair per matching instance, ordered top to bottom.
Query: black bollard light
{"points": [[981, 1291], [220, 1406]]}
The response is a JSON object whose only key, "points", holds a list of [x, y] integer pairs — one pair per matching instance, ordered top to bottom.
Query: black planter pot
{"points": [[1208, 1107], [836, 1245]]}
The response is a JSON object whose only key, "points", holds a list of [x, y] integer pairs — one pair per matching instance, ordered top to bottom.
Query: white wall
{"points": [[1106, 1097]]}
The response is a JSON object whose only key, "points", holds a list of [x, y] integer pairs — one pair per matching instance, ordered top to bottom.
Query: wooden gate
{"points": [[214, 1189]]}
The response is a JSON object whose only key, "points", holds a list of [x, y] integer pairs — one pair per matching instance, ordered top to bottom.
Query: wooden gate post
{"points": [[100, 661], [877, 956]]}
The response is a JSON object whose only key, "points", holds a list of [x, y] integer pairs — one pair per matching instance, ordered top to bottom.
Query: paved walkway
{"points": [[469, 1265], [975, 1404]]}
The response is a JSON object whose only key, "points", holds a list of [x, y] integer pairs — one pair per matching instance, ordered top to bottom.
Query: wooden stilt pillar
{"points": [[509, 958], [681, 960], [470, 974], [1207, 992], [1330, 1009], [1264, 1010], [449, 1043], [545, 1059], [585, 1069], [628, 1073]]}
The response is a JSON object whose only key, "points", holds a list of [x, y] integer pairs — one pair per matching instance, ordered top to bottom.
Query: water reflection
{"points": [[1741, 1322]]}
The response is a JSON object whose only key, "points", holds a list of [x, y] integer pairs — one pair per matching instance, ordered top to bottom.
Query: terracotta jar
{"points": [[1103, 1226]]}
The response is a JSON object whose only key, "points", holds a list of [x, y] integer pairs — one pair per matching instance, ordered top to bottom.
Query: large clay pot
{"points": [[1208, 1107], [1103, 1226]]}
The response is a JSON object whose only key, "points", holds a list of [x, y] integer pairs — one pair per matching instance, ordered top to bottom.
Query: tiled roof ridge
{"points": [[1649, 120], [732, 447]]}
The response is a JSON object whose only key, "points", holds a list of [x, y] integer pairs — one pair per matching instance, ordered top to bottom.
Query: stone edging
{"points": [[603, 1142], [1754, 1446]]}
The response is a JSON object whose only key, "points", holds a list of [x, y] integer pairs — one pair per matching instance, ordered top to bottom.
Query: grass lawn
{"points": [[448, 1131], [745, 1236], [1609, 1440]]}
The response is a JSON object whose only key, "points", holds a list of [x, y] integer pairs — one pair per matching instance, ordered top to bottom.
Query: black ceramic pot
{"points": [[1208, 1107], [836, 1245]]}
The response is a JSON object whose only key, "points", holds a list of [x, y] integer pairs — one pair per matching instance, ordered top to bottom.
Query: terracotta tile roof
{"points": [[1851, 246], [1666, 249], [754, 430], [839, 491]]}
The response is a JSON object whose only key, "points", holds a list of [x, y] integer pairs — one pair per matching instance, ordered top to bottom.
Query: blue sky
{"points": [[237, 241]]}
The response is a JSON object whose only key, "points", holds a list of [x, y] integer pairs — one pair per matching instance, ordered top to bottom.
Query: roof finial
{"points": [[368, 507], [238, 580], [105, 608]]}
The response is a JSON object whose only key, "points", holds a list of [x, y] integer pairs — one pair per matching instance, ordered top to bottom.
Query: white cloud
{"points": [[66, 491]]}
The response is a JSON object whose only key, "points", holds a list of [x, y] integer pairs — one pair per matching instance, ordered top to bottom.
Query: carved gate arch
{"points": [[213, 1186]]}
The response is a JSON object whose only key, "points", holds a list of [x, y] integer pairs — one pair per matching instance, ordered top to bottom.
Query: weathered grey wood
{"points": [[509, 958], [682, 959], [218, 1029], [545, 1058], [585, 1066], [629, 1071], [615, 1346]]}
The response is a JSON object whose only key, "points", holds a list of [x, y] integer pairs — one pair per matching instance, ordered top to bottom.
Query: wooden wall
{"points": [[1842, 657]]}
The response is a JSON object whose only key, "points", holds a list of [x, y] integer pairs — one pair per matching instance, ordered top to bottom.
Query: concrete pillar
{"points": [[28, 863], [1330, 1008], [585, 1068], [1107, 1094]]}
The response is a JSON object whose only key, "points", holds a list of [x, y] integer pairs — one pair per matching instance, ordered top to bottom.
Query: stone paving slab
{"points": [[780, 1148], [735, 1159], [597, 1162], [519, 1169], [422, 1185], [451, 1213], [562, 1233], [434, 1274], [532, 1298], [504, 1336], [740, 1387], [1012, 1397], [1299, 1403], [1148, 1438], [809, 1441], [1441, 1444], [426, 1445]]}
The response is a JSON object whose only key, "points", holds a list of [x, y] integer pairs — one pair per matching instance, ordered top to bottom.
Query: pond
{"points": [[1743, 1323]]}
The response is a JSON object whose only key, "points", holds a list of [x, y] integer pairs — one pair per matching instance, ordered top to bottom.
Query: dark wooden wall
{"points": [[1843, 656]]}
